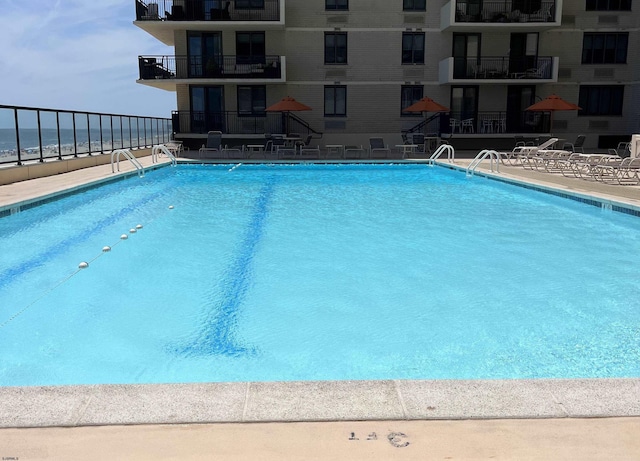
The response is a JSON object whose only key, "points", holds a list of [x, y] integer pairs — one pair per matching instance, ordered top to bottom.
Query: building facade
{"points": [[359, 63]]}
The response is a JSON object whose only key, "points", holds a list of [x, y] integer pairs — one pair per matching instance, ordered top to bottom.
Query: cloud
{"points": [[77, 55]]}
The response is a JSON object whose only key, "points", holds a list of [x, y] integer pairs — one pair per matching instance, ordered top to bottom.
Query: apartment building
{"points": [[359, 63]]}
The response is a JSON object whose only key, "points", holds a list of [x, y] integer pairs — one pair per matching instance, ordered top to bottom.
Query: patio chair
{"points": [[542, 15], [537, 72], [467, 126], [418, 140], [277, 142], [303, 143], [214, 144], [377, 146], [575, 146], [175, 147], [623, 149], [234, 152], [309, 152], [354, 152], [522, 155], [614, 170]]}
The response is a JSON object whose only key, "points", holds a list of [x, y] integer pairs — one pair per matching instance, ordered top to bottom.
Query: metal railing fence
{"points": [[208, 10], [523, 11], [181, 67], [503, 67], [232, 122], [496, 122], [37, 134]]}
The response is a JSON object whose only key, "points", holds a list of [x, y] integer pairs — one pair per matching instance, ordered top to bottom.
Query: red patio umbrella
{"points": [[551, 104], [286, 105]]}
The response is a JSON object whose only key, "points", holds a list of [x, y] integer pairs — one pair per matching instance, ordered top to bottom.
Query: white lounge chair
{"points": [[522, 154], [626, 171]]}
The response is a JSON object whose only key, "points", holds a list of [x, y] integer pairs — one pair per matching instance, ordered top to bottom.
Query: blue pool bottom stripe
{"points": [[218, 334]]}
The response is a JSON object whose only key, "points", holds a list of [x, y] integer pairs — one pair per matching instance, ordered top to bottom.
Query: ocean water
{"points": [[86, 141], [269, 273]]}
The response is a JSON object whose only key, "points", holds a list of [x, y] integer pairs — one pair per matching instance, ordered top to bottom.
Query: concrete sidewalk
{"points": [[532, 440]]}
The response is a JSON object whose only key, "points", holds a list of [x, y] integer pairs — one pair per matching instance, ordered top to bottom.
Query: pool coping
{"points": [[317, 401], [129, 404]]}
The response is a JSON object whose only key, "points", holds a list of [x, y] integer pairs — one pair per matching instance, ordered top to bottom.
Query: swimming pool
{"points": [[269, 273]]}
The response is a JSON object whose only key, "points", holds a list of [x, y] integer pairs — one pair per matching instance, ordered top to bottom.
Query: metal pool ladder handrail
{"points": [[161, 148], [127, 153], [451, 153], [480, 157]]}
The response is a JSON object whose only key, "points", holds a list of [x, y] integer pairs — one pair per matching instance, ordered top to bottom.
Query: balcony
{"points": [[506, 15], [161, 18], [498, 69], [166, 72], [200, 122], [497, 123]]}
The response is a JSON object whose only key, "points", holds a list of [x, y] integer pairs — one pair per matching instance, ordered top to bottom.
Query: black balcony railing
{"points": [[208, 10], [523, 11], [184, 67], [491, 67], [197, 122], [496, 122], [238, 123], [34, 134]]}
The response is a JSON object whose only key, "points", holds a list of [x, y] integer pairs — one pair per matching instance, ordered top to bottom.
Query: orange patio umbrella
{"points": [[551, 104], [286, 105], [426, 105]]}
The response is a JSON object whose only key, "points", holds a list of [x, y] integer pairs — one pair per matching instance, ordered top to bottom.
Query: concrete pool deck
{"points": [[504, 419]]}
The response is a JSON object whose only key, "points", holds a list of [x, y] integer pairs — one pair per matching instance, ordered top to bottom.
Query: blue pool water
{"points": [[315, 272]]}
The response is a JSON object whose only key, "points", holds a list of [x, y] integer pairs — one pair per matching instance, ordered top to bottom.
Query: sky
{"points": [[77, 55]]}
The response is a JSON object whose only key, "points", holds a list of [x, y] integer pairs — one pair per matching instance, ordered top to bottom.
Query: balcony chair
{"points": [[542, 15], [534, 72], [467, 126]]}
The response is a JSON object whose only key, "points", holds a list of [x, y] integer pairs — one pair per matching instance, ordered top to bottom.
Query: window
{"points": [[249, 4], [336, 4], [414, 5], [608, 5], [250, 48], [335, 48], [413, 48], [601, 48], [205, 54], [410, 94], [252, 100], [601, 100], [335, 101], [464, 102]]}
